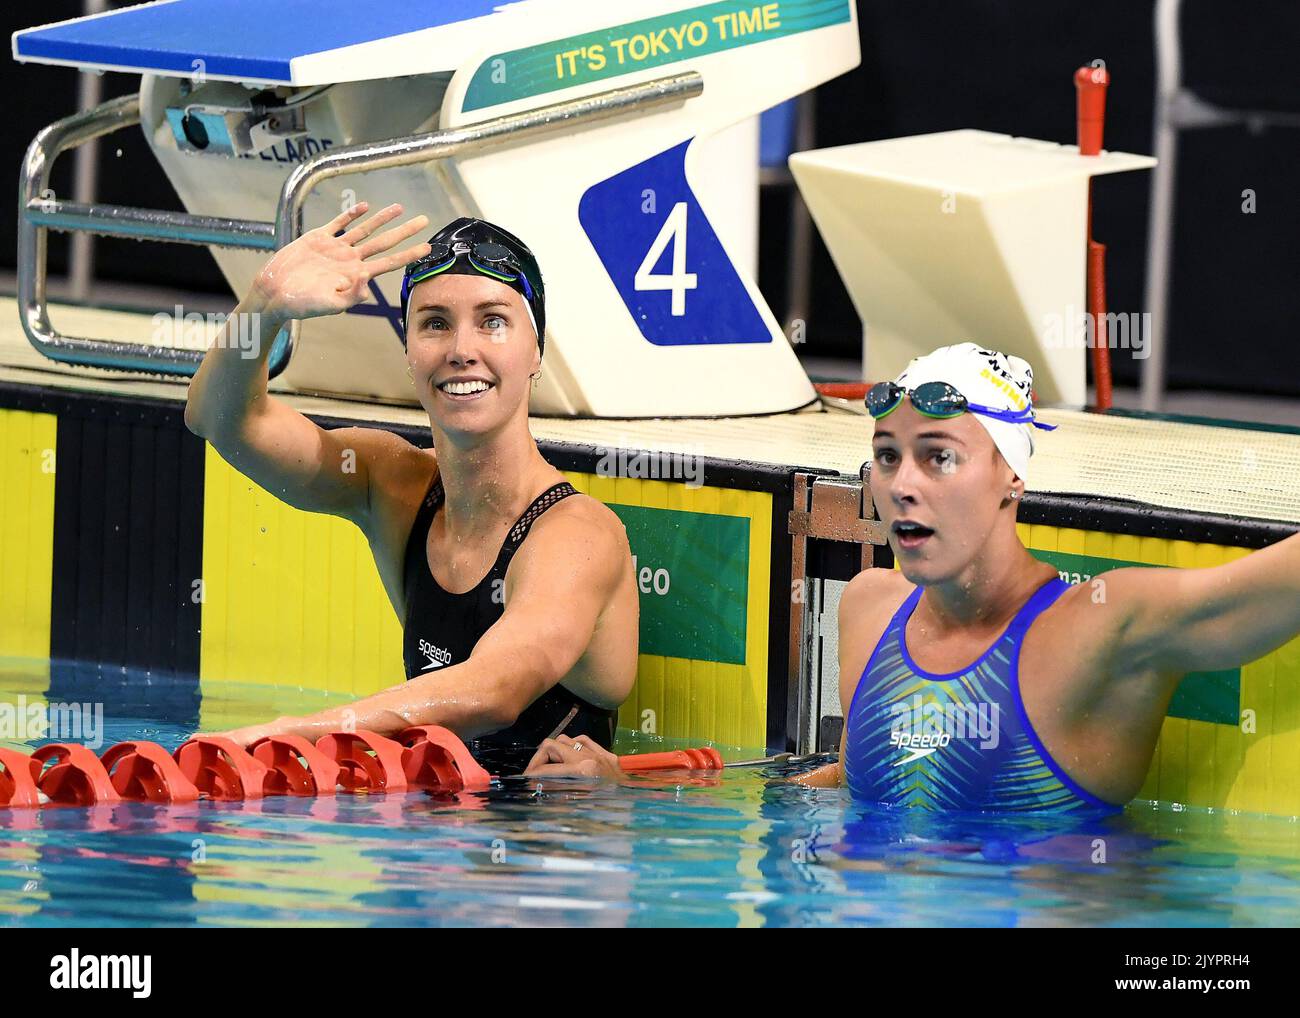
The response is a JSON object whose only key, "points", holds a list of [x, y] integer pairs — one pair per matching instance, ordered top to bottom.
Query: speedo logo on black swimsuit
{"points": [[436, 655], [920, 728]]}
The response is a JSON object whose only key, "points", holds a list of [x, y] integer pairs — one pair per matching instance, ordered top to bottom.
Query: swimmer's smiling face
{"points": [[471, 347], [941, 489]]}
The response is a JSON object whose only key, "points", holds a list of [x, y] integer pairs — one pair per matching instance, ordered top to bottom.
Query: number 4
{"points": [[679, 281]]}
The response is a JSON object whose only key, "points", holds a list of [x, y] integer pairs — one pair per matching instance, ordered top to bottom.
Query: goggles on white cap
{"points": [[946, 383], [941, 400]]}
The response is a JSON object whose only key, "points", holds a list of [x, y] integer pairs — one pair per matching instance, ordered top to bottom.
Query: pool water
{"points": [[739, 850]]}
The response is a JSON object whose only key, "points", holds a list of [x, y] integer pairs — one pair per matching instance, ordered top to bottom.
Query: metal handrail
{"points": [[1177, 109], [38, 212]]}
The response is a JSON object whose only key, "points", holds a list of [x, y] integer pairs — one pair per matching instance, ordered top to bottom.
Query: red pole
{"points": [[1090, 87]]}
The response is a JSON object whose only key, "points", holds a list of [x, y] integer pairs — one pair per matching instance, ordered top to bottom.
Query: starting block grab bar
{"points": [[39, 211]]}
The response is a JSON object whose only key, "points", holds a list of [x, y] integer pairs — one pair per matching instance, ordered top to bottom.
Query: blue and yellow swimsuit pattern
{"points": [[960, 741]]}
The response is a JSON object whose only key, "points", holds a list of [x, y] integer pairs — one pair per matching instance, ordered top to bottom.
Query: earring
{"points": [[408, 373], [1013, 495]]}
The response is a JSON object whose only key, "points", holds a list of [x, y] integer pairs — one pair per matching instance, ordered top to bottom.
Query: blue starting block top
{"points": [[264, 40]]}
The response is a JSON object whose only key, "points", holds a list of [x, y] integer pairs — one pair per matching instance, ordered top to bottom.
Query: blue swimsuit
{"points": [[954, 742]]}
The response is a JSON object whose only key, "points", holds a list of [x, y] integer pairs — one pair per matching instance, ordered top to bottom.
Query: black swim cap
{"points": [[476, 247]]}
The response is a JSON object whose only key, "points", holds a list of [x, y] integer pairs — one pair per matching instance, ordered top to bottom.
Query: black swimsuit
{"points": [[442, 629]]}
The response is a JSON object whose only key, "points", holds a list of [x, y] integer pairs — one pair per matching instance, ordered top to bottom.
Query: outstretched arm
{"points": [[266, 439], [559, 583], [1173, 621]]}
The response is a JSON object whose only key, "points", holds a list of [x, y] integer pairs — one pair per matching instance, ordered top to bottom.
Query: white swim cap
{"points": [[988, 378]]}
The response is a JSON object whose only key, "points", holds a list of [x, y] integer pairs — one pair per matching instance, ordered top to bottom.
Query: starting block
{"points": [[619, 141]]}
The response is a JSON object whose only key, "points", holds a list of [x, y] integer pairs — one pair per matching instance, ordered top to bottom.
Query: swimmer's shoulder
{"points": [[384, 453], [398, 472], [585, 522], [578, 533], [874, 594], [867, 604], [1098, 608], [1090, 623]]}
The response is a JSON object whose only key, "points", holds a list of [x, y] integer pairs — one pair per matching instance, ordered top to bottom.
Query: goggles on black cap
{"points": [[475, 246]]}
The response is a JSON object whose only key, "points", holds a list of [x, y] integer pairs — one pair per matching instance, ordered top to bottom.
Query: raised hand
{"points": [[321, 274]]}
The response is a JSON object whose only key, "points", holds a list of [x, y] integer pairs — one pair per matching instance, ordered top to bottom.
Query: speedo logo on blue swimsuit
{"points": [[919, 729]]}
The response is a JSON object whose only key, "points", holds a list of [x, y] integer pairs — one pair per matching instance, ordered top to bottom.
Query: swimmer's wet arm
{"points": [[264, 438], [560, 582], [1180, 620], [831, 775]]}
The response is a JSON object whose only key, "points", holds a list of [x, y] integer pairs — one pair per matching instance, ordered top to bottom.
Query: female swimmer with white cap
{"points": [[974, 677]]}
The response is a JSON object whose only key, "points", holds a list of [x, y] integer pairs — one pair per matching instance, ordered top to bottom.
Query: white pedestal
{"points": [[963, 235]]}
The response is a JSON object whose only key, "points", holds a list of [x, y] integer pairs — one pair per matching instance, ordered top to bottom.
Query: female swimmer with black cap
{"points": [[516, 592], [972, 677]]}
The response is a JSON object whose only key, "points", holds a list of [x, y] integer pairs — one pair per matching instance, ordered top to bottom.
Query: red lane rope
{"points": [[212, 767]]}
